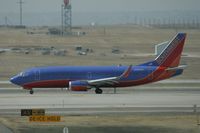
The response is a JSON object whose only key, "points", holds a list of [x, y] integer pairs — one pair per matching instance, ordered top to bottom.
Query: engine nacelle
{"points": [[78, 86]]}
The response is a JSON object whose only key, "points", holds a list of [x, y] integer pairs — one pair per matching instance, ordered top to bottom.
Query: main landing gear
{"points": [[98, 91], [31, 92]]}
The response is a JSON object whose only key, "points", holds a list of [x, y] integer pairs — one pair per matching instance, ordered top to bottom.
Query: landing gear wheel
{"points": [[98, 91], [31, 92]]}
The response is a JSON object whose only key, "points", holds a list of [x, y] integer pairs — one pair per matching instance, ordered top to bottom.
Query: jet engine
{"points": [[79, 86]]}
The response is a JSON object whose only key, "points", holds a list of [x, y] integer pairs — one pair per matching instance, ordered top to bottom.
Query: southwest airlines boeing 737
{"points": [[83, 78]]}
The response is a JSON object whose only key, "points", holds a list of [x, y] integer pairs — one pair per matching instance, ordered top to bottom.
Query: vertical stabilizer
{"points": [[170, 56]]}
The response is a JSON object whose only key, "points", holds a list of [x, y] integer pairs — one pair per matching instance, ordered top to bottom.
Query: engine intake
{"points": [[79, 86]]}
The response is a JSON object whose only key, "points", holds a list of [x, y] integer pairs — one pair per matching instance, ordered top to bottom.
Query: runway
{"points": [[56, 101]]}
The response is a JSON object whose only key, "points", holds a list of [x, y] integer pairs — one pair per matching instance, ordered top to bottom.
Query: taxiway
{"points": [[64, 102]]}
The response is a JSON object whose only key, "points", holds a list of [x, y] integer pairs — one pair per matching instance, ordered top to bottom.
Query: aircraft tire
{"points": [[98, 91], [31, 92]]}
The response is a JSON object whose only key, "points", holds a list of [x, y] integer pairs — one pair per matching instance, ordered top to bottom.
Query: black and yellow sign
{"points": [[26, 112], [30, 112], [39, 112], [44, 118]]}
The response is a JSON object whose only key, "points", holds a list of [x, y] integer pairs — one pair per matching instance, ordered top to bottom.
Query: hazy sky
{"points": [[9, 6], [47, 12]]}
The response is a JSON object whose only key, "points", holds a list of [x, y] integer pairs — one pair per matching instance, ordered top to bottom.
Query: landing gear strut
{"points": [[98, 91], [31, 92]]}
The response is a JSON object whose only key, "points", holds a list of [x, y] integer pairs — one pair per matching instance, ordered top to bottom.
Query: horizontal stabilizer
{"points": [[176, 68]]}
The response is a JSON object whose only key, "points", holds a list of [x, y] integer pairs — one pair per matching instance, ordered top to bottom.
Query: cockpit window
{"points": [[23, 74]]}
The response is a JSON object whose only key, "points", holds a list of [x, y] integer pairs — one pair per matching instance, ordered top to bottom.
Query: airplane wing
{"points": [[111, 80]]}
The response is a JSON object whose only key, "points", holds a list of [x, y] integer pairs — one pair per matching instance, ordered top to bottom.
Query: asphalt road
{"points": [[64, 102]]}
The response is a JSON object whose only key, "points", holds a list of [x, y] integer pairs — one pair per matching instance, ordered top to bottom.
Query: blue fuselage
{"points": [[32, 78]]}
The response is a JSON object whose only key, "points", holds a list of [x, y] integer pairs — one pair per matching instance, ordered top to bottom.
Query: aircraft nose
{"points": [[15, 80]]}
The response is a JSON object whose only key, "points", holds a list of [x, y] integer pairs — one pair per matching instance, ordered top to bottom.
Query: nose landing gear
{"points": [[30, 90]]}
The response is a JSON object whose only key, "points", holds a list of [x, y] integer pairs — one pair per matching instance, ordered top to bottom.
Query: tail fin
{"points": [[170, 56]]}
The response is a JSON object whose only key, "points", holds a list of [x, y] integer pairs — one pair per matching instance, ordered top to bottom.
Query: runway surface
{"points": [[56, 101], [5, 129]]}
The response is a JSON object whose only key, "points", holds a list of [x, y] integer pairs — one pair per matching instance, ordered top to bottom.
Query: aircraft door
{"points": [[37, 75], [89, 75]]}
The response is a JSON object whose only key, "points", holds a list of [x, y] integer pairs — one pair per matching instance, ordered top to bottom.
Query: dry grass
{"points": [[131, 40], [180, 122]]}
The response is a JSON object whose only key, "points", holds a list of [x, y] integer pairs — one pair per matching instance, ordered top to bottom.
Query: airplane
{"points": [[84, 78]]}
